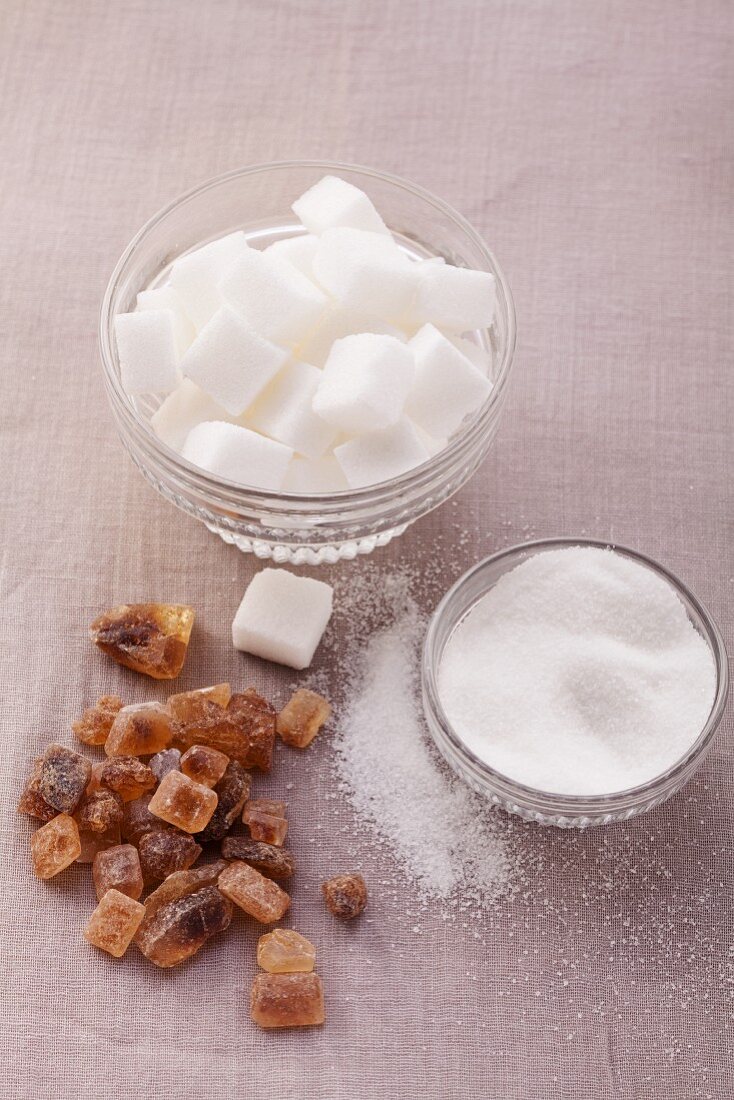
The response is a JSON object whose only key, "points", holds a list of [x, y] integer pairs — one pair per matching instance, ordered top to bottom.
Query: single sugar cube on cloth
{"points": [[332, 202], [298, 251], [366, 271], [195, 276], [165, 297], [454, 298], [276, 299], [147, 351], [231, 362], [365, 383], [447, 386], [182, 410], [283, 411], [238, 454], [380, 456], [314, 475], [282, 617], [302, 717], [183, 803], [55, 846], [118, 868], [345, 895], [258, 896], [114, 923], [285, 951], [287, 1000]]}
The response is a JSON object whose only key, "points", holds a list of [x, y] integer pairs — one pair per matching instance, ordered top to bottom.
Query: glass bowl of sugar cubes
{"points": [[307, 357]]}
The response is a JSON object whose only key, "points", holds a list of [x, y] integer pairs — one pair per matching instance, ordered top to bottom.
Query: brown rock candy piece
{"points": [[151, 638], [188, 706], [302, 717], [96, 722], [140, 730], [244, 732], [164, 762], [204, 764], [128, 777], [63, 778], [95, 783], [232, 791], [31, 801], [183, 803], [263, 805], [99, 811], [138, 820], [266, 820], [92, 843], [55, 846], [165, 852], [267, 858], [119, 869], [178, 885], [346, 895], [262, 898], [114, 922], [181, 927], [285, 951], [287, 1000]]}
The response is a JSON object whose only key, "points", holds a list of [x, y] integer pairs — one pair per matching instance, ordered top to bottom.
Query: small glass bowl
{"points": [[306, 528], [565, 811]]}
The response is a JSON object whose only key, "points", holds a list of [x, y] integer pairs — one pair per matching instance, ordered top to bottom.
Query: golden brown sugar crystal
{"points": [[151, 638], [188, 706], [302, 717], [94, 726], [140, 730], [244, 732], [164, 762], [204, 764], [128, 777], [63, 778], [232, 791], [31, 800], [183, 803], [262, 806], [99, 811], [138, 820], [266, 820], [92, 843], [55, 846], [164, 852], [271, 860], [118, 868], [178, 885], [346, 895], [262, 898], [114, 923], [181, 927], [284, 951], [287, 1000]]}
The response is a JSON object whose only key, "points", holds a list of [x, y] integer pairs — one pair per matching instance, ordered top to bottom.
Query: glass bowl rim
{"points": [[205, 482], [554, 802]]}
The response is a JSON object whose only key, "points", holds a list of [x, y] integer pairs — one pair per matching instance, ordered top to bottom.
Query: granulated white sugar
{"points": [[579, 672]]}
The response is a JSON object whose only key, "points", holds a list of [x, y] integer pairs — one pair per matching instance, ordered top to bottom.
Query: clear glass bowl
{"points": [[306, 529], [566, 811]]}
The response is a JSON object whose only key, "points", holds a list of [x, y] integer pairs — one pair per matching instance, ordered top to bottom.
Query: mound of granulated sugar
{"points": [[578, 673]]}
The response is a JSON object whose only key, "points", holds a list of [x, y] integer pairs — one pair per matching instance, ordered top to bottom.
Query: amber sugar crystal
{"points": [[151, 638], [188, 706], [302, 717], [96, 722], [140, 730], [244, 731], [164, 762], [204, 764], [128, 777], [63, 778], [232, 791], [32, 801], [183, 803], [99, 811], [266, 820], [55, 846], [166, 851], [271, 860], [118, 868], [178, 885], [346, 895], [262, 898], [114, 923], [182, 926], [284, 951], [287, 1000]]}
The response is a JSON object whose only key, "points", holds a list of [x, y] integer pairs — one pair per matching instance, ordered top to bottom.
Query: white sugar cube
{"points": [[333, 202], [298, 251], [366, 271], [195, 276], [273, 296], [165, 297], [453, 298], [336, 323], [146, 349], [479, 356], [231, 362], [365, 383], [447, 386], [181, 411], [283, 411], [237, 454], [380, 456], [314, 475], [282, 617]]}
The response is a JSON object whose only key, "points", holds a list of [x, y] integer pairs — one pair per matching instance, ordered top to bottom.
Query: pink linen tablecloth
{"points": [[591, 145]]}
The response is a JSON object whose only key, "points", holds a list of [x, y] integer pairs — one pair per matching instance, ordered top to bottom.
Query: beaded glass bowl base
{"points": [[302, 529], [565, 811]]}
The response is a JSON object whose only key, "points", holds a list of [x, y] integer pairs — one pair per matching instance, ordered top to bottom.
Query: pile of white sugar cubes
{"points": [[329, 360]]}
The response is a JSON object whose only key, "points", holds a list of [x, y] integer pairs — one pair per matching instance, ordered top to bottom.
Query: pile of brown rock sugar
{"points": [[174, 781]]}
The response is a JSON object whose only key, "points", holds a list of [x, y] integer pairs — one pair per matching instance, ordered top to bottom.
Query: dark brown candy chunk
{"points": [[151, 638], [96, 722], [244, 732], [164, 762], [127, 776], [63, 778], [232, 791], [31, 801], [99, 811], [138, 820], [91, 844], [164, 852], [272, 861], [181, 883], [346, 895], [180, 928]]}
